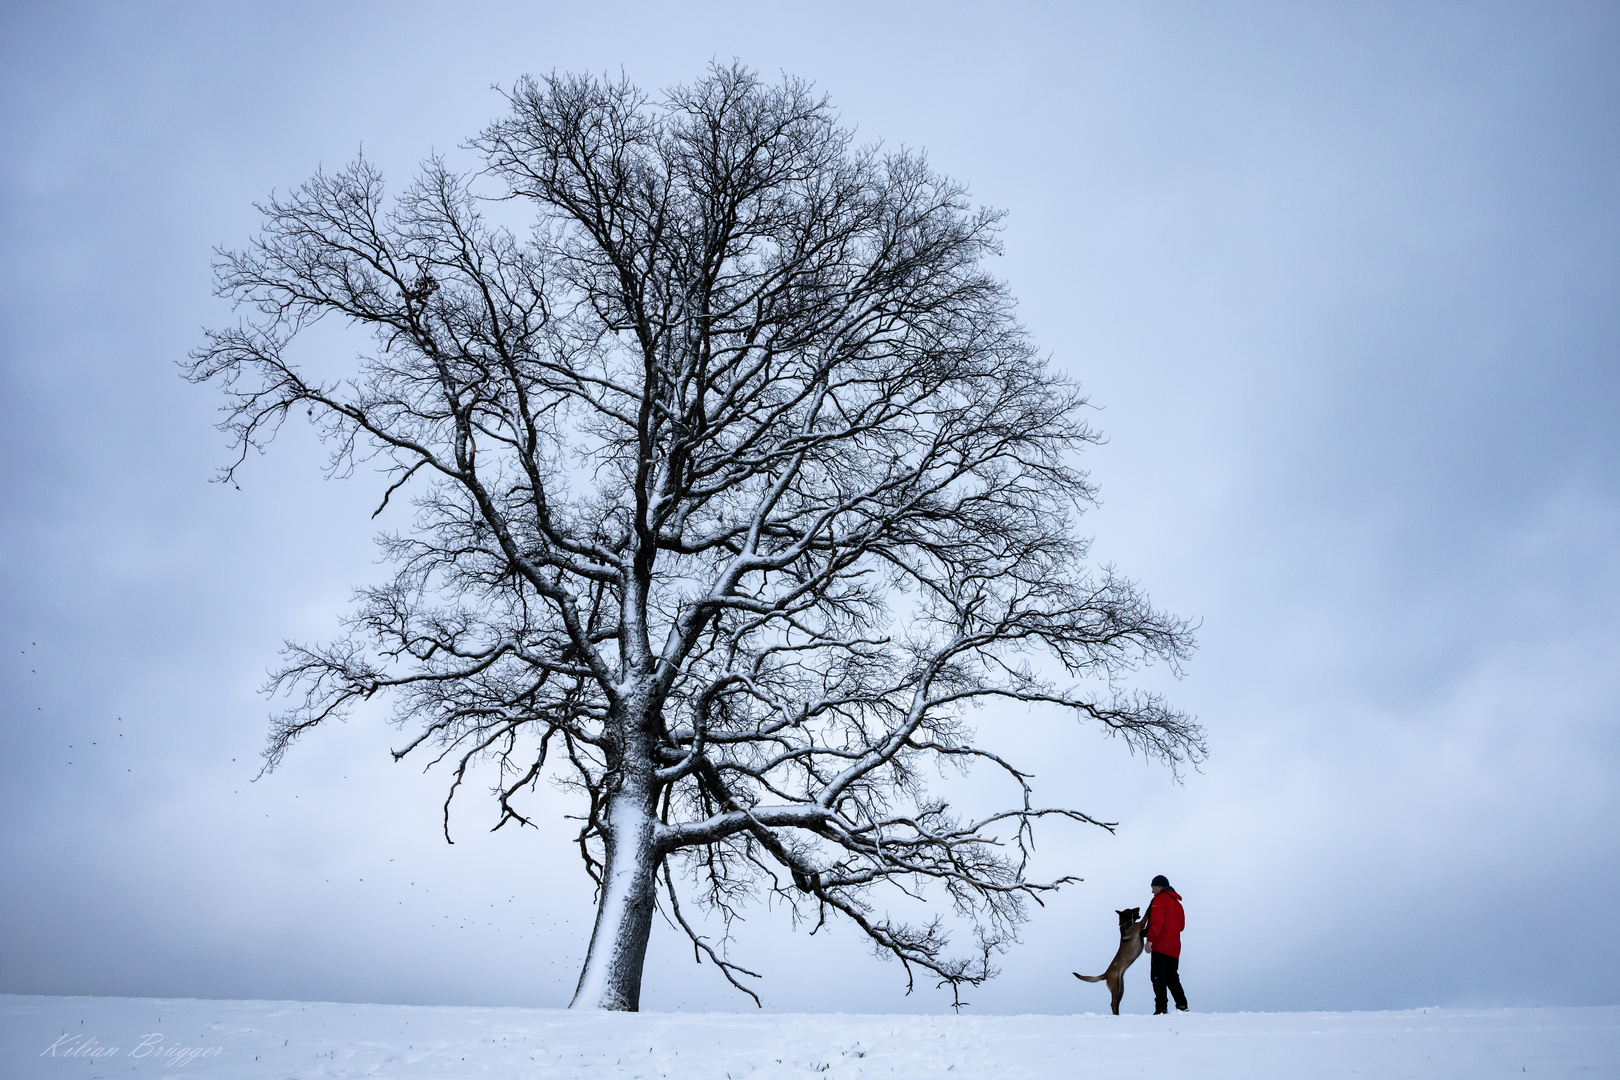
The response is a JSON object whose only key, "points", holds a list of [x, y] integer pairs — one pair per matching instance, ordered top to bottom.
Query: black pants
{"points": [[1166, 977]]}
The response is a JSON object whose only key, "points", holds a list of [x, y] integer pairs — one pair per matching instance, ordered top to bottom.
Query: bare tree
{"points": [[737, 482]]}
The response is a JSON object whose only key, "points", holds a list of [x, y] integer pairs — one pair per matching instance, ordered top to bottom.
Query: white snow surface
{"points": [[144, 1037]]}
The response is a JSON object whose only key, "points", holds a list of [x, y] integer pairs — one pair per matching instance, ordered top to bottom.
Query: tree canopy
{"points": [[736, 484]]}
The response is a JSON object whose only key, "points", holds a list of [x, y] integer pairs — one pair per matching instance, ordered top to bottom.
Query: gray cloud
{"points": [[1341, 279]]}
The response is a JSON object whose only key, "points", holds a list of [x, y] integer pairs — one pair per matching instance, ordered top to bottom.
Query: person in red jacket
{"points": [[1165, 921]]}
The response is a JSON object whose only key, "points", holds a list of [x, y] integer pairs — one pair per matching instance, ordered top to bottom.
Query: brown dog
{"points": [[1131, 925]]}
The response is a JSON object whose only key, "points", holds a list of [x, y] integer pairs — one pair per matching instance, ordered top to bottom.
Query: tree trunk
{"points": [[611, 978]]}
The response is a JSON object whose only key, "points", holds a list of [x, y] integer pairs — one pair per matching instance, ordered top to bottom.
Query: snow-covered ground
{"points": [[82, 1038]]}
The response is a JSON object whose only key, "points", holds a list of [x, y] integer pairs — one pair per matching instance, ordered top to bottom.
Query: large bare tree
{"points": [[736, 484]]}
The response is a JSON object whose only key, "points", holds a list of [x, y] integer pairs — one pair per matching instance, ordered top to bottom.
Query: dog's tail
{"points": [[1088, 978]]}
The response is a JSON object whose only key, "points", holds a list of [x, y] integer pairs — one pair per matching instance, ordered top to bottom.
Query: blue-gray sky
{"points": [[1343, 279]]}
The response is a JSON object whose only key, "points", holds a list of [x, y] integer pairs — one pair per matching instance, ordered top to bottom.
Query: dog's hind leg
{"points": [[1116, 990]]}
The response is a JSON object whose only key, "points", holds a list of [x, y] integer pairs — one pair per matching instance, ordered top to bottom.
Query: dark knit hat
{"points": [[1161, 881]]}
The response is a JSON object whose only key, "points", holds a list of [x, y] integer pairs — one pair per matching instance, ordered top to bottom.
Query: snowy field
{"points": [[82, 1038]]}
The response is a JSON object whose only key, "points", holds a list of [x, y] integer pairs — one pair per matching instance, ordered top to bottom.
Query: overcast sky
{"points": [[1342, 279]]}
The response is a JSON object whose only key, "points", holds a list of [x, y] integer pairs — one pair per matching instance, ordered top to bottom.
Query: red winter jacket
{"points": [[1166, 920]]}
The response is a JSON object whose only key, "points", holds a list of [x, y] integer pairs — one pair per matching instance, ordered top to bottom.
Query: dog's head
{"points": [[1128, 918]]}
